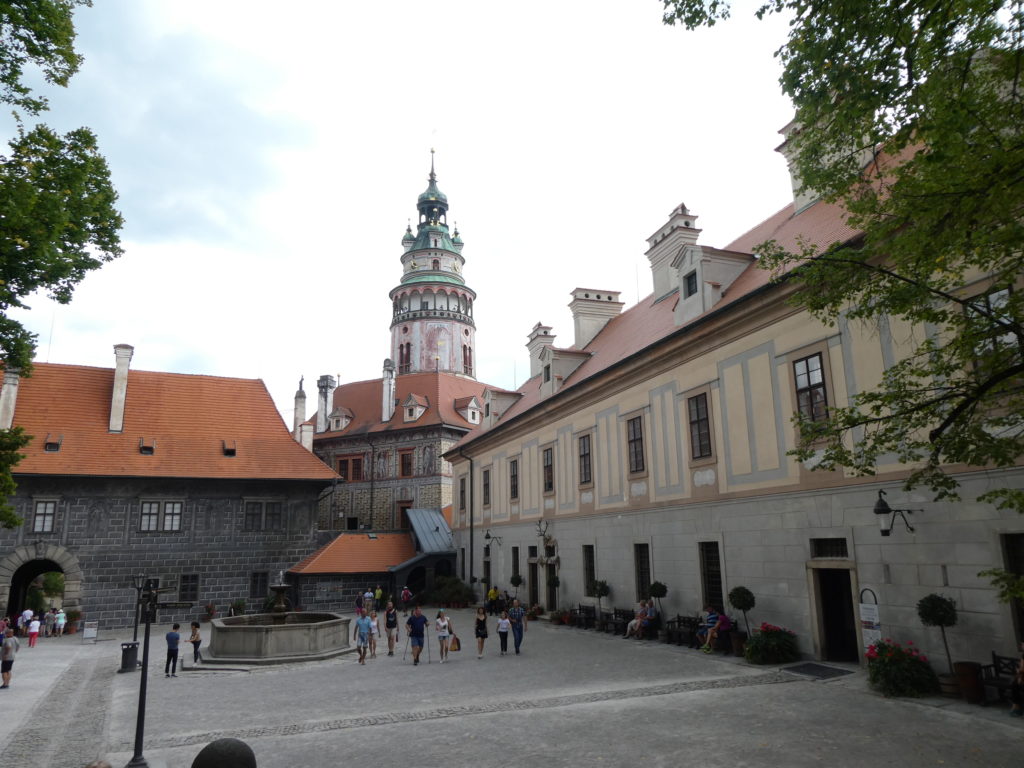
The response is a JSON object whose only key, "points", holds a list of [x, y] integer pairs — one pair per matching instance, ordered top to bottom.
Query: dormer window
{"points": [[690, 285], [547, 372], [474, 416], [52, 445], [147, 449], [230, 449]]}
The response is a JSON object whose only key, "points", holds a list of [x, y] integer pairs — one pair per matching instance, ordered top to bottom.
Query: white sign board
{"points": [[870, 626], [90, 629]]}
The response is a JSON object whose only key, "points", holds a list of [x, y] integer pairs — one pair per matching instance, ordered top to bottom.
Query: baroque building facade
{"points": [[654, 448]]}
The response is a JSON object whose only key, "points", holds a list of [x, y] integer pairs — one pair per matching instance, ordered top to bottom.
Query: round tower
{"points": [[432, 324]]}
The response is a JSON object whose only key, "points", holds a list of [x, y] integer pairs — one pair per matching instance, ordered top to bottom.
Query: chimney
{"points": [[801, 197], [678, 232], [591, 311], [539, 339], [123, 356], [325, 389], [9, 397], [300, 409], [387, 409], [305, 437]]}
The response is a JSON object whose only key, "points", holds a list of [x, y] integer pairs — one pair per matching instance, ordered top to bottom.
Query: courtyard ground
{"points": [[574, 697]]}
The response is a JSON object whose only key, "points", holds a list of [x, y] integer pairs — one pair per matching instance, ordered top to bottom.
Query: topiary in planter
{"points": [[516, 581], [657, 590], [742, 599], [938, 611], [772, 645]]}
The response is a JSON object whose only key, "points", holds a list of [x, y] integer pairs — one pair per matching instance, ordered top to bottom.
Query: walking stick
{"points": [[428, 644], [406, 646]]}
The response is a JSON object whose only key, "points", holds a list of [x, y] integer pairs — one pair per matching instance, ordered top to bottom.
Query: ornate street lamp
{"points": [[887, 515]]}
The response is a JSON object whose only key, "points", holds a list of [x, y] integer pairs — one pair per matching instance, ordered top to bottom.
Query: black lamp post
{"points": [[887, 515], [139, 582], [147, 600]]}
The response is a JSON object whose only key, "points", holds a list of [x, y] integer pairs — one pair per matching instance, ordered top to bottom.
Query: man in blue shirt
{"points": [[517, 616], [364, 624], [416, 627], [172, 651]]}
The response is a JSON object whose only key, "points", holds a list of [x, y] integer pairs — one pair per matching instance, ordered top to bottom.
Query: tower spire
{"points": [[433, 176]]}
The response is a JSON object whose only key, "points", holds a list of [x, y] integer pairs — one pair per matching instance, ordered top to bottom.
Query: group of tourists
{"points": [[370, 600], [497, 601], [643, 620], [30, 624], [367, 630]]}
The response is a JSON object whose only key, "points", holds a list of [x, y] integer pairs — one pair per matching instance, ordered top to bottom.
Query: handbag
{"points": [[454, 644]]}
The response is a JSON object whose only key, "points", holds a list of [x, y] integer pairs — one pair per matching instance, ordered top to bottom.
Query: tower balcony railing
{"points": [[404, 316]]}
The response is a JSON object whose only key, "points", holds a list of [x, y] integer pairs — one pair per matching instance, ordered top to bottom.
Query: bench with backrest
{"points": [[585, 616], [620, 618], [681, 629], [650, 631], [723, 641], [1000, 673]]}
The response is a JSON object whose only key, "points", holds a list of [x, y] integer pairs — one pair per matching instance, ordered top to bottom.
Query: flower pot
{"points": [[739, 642], [968, 678], [949, 687]]}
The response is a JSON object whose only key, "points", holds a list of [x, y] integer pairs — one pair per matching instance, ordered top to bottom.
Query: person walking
{"points": [[378, 598], [406, 599], [368, 600], [492, 600], [26, 617], [518, 618], [61, 620], [49, 622], [504, 625], [391, 626], [443, 627], [415, 629], [480, 630], [33, 631], [374, 633], [361, 634], [196, 639], [10, 648], [171, 665]]}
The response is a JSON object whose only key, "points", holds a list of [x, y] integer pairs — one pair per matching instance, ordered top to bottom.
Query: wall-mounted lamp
{"points": [[887, 515], [489, 539]]}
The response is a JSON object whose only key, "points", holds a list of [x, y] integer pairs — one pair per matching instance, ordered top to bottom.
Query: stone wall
{"points": [[97, 525], [336, 592]]}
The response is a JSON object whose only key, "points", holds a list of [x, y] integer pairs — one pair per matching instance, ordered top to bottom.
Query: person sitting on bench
{"points": [[721, 624], [633, 628]]}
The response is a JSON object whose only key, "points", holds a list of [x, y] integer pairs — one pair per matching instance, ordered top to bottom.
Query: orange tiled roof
{"points": [[819, 225], [436, 391], [190, 418], [358, 553]]}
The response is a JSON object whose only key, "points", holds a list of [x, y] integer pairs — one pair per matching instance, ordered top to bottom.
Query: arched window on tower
{"points": [[435, 264], [467, 360]]}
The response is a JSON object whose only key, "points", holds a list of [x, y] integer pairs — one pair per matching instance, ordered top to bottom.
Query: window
{"points": [[435, 264], [690, 284], [547, 373], [811, 401], [700, 426], [635, 443], [584, 446], [548, 462], [405, 463], [351, 469], [513, 479], [486, 483], [462, 494], [45, 514], [160, 515], [263, 516], [352, 523], [831, 548], [531, 551], [1013, 553], [515, 561], [642, 562], [589, 574], [711, 574], [258, 585], [188, 588]]}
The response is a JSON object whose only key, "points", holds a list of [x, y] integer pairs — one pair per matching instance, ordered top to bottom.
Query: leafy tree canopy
{"points": [[909, 115], [57, 216]]}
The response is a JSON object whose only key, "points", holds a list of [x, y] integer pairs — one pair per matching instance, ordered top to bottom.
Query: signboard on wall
{"points": [[870, 626]]}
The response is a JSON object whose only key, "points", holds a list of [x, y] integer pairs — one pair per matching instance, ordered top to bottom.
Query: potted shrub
{"points": [[516, 581], [601, 590], [657, 590], [742, 599], [238, 607], [210, 611], [939, 611], [73, 617], [772, 645], [895, 670]]}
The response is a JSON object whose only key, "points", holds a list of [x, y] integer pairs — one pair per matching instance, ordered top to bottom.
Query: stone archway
{"points": [[38, 554]]}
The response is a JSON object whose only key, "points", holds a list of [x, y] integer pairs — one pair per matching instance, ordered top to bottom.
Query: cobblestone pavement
{"points": [[573, 697]]}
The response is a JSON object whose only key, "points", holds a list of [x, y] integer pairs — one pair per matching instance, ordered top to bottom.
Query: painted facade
{"points": [[655, 449]]}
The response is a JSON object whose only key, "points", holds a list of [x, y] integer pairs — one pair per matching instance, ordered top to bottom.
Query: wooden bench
{"points": [[584, 616], [620, 618], [681, 629], [650, 632], [1000, 673]]}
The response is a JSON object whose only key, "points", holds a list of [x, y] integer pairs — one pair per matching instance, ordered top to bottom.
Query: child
{"points": [[504, 625]]}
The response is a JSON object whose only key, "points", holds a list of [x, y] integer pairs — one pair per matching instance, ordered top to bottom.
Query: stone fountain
{"points": [[279, 636]]}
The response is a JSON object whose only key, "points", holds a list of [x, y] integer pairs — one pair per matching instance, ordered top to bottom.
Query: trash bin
{"points": [[129, 657], [968, 676]]}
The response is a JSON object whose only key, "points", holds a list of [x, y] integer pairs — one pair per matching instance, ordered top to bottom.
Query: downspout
{"points": [[471, 582]]}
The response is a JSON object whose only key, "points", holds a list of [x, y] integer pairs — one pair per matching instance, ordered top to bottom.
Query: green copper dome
{"points": [[432, 193]]}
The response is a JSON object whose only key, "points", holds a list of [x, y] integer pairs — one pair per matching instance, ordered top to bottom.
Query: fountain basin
{"points": [[277, 638]]}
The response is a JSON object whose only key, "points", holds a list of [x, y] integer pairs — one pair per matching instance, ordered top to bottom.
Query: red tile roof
{"points": [[819, 225], [437, 391], [189, 418], [358, 553]]}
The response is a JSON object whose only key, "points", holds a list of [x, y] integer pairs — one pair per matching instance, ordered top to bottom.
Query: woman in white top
{"points": [[444, 629], [374, 634]]}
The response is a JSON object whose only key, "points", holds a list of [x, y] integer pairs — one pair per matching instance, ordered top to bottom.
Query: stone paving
{"points": [[573, 697]]}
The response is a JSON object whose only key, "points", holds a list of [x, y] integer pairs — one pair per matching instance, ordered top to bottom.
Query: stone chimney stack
{"points": [[801, 197], [678, 232], [591, 311], [540, 338], [123, 355], [325, 393], [9, 397], [387, 409], [300, 410], [305, 436]]}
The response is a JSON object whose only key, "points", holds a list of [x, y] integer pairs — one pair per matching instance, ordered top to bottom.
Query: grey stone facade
{"points": [[98, 542]]}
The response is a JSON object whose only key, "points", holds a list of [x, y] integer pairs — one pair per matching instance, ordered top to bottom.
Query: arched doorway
{"points": [[21, 567]]}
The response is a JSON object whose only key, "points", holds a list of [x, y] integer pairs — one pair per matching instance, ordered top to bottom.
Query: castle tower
{"points": [[432, 324]]}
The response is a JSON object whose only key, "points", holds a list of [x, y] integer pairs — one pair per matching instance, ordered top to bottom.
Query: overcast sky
{"points": [[268, 157]]}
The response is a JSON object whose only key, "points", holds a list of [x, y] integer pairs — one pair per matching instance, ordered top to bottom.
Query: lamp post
{"points": [[886, 515], [139, 582], [148, 602]]}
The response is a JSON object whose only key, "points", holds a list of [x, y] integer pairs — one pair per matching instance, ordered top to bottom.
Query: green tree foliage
{"points": [[909, 115], [57, 216], [53, 584]]}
